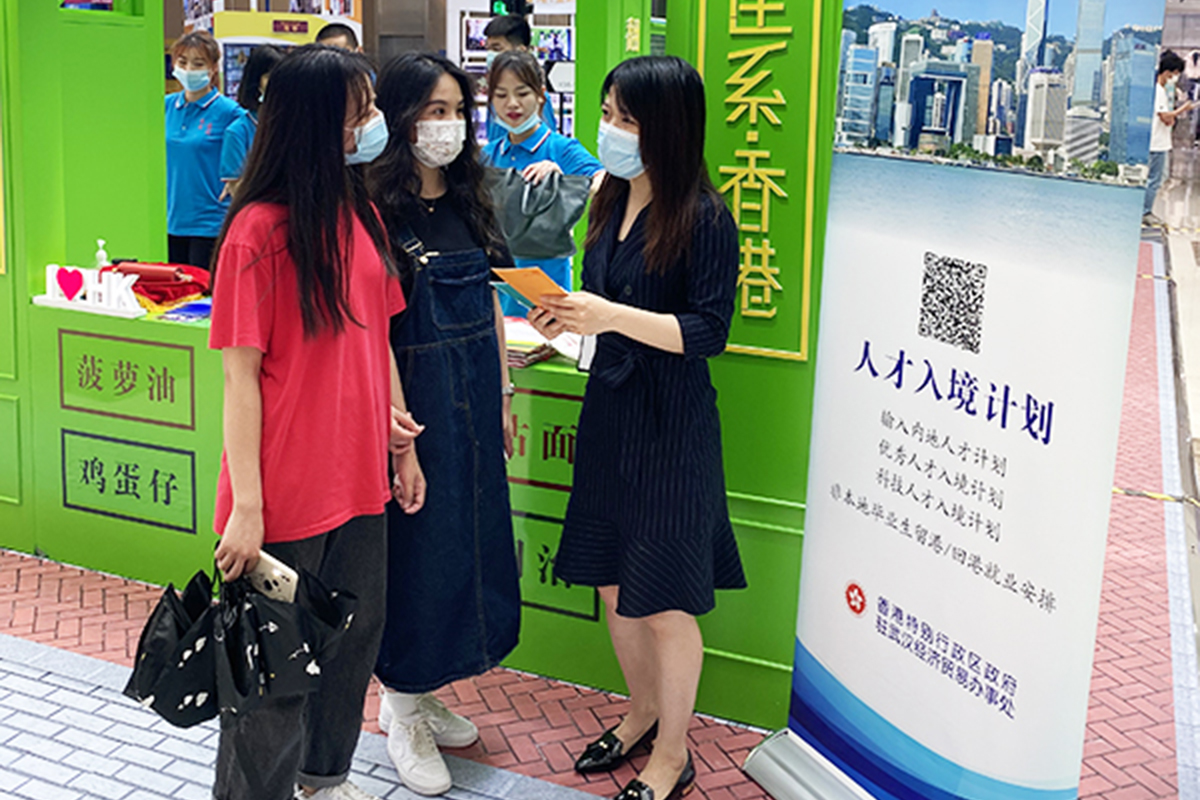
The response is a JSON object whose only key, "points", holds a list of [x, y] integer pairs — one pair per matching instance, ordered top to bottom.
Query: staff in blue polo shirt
{"points": [[507, 34], [515, 93], [196, 120], [240, 133]]}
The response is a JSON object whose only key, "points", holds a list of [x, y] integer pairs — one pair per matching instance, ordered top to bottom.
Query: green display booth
{"points": [[110, 429]]}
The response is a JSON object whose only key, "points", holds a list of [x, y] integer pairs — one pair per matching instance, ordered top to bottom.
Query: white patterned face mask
{"points": [[439, 141]]}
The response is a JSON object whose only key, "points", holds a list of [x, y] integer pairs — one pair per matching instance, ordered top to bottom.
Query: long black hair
{"points": [[261, 61], [402, 91], [665, 95], [298, 160]]}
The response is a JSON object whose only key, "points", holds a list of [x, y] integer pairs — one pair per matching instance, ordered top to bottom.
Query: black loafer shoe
{"points": [[606, 753], [636, 790]]}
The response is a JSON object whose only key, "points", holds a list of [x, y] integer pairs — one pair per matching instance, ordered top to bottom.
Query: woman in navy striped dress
{"points": [[647, 522]]}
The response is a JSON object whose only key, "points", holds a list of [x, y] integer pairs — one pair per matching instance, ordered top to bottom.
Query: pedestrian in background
{"points": [[1170, 67]]}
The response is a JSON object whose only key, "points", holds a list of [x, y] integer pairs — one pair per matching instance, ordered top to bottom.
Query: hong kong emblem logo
{"points": [[856, 599]]}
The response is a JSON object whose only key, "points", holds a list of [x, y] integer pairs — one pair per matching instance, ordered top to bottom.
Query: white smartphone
{"points": [[273, 578]]}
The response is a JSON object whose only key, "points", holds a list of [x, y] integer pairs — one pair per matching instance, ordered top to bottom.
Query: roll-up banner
{"points": [[980, 263]]}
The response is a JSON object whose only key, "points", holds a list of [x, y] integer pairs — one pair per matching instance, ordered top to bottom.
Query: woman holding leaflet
{"points": [[304, 292], [647, 521], [453, 604]]}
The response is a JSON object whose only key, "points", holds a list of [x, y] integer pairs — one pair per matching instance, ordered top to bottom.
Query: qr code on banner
{"points": [[952, 301]]}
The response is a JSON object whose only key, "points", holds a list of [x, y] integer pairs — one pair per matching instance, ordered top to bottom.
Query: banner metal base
{"points": [[790, 769]]}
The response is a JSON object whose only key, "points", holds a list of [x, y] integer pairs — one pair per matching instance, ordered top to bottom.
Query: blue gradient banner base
{"points": [[879, 756]]}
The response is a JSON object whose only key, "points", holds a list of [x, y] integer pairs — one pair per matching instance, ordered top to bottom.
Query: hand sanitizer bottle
{"points": [[101, 254]]}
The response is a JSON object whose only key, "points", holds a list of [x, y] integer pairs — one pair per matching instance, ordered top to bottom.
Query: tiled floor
{"points": [[533, 726], [67, 733]]}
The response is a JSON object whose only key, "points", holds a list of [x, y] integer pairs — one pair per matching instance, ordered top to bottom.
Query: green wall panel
{"points": [[101, 187], [8, 329], [10, 449]]}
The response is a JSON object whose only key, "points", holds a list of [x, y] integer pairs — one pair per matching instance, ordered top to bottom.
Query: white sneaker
{"points": [[449, 729], [416, 758], [343, 791]]}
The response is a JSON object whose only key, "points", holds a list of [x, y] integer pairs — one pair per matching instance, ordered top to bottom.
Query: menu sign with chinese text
{"points": [[757, 58], [127, 378], [544, 459], [128, 480]]}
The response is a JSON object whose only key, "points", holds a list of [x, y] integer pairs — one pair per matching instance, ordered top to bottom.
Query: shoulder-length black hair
{"points": [[261, 61], [402, 91], [665, 95], [298, 160]]}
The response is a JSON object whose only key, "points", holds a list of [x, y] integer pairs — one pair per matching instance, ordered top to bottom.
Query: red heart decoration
{"points": [[70, 281]]}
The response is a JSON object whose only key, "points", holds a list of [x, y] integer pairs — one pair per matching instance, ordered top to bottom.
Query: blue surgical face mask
{"points": [[491, 56], [192, 80], [529, 124], [371, 139], [620, 152]]}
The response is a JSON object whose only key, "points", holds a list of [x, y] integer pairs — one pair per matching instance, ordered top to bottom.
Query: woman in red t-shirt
{"points": [[304, 291]]}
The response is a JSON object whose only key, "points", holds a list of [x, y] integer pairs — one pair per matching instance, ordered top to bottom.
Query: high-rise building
{"points": [[882, 37], [848, 38], [1033, 41], [1089, 44], [912, 47], [962, 50], [981, 54], [1134, 65], [1108, 73], [885, 102], [942, 103], [1002, 107], [1046, 114], [857, 121], [1082, 137]]}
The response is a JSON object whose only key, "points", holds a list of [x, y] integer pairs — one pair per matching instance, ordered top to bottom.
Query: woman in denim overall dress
{"points": [[453, 602]]}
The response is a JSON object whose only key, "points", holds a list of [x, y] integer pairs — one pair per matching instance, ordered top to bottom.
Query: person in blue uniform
{"points": [[508, 34], [515, 95], [196, 121], [240, 133], [647, 521], [453, 600]]}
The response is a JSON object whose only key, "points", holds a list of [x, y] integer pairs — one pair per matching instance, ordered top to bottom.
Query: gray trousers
{"points": [[1158, 168], [310, 739]]}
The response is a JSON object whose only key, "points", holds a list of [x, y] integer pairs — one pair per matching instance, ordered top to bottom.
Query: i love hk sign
{"points": [[77, 289]]}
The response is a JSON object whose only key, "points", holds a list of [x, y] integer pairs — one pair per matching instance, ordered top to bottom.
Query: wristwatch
{"points": [[508, 391]]}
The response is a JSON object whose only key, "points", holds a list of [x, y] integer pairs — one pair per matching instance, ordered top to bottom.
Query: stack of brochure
{"points": [[525, 345]]}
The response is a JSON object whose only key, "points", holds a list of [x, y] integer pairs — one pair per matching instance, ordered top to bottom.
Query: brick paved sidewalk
{"points": [[529, 725], [1129, 751]]}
